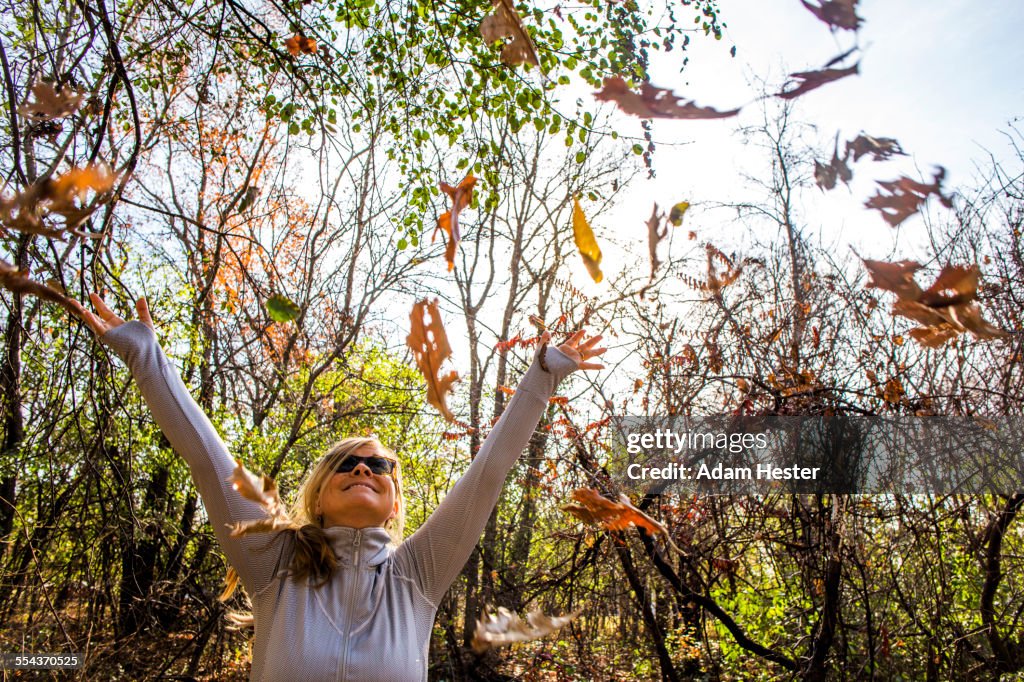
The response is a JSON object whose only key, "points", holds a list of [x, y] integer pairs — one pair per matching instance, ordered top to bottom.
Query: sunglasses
{"points": [[377, 465]]}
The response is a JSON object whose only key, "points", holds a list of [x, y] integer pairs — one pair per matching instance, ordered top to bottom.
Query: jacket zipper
{"points": [[350, 593]]}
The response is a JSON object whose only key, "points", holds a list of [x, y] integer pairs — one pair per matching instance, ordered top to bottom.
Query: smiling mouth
{"points": [[364, 485]]}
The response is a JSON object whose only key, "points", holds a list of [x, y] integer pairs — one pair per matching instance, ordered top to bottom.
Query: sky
{"points": [[943, 77]]}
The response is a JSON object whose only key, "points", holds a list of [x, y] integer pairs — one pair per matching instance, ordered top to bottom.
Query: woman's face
{"points": [[359, 498]]}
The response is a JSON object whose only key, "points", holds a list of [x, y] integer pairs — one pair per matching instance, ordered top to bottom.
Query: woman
{"points": [[336, 599]]}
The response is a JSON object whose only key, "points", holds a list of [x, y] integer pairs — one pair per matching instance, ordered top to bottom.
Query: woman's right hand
{"points": [[104, 319]]}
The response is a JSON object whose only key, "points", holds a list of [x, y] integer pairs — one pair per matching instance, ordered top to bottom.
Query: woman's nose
{"points": [[361, 468]]}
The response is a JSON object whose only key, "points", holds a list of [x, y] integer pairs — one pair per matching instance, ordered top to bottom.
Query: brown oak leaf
{"points": [[836, 13], [506, 23], [811, 80], [653, 102], [49, 103], [880, 148], [825, 176], [906, 196], [448, 222], [655, 233], [719, 278], [19, 282], [945, 309], [429, 344], [259, 489], [263, 491], [593, 508], [501, 627]]}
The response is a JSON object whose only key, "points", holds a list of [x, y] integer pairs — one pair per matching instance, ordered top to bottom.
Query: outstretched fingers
{"points": [[142, 308], [105, 313], [574, 339]]}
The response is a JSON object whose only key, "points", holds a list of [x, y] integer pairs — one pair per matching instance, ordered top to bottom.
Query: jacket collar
{"points": [[372, 546]]}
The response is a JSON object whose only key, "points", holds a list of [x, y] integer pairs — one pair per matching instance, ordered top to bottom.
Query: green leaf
{"points": [[281, 309]]}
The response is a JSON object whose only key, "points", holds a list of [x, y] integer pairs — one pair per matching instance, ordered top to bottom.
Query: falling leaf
{"points": [[836, 13], [506, 23], [300, 44], [811, 80], [654, 102], [50, 104], [880, 148], [825, 176], [252, 192], [63, 196], [906, 196], [675, 216], [448, 223], [655, 233], [585, 241], [895, 277], [717, 279], [19, 282], [955, 284], [282, 309], [945, 309], [934, 337], [429, 344], [893, 391], [259, 489], [263, 491], [593, 508], [268, 524], [503, 627]]}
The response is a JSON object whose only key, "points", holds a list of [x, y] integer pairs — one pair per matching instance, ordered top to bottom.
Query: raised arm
{"points": [[192, 436], [437, 551]]}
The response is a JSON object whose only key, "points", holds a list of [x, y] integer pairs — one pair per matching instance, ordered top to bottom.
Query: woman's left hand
{"points": [[579, 350]]}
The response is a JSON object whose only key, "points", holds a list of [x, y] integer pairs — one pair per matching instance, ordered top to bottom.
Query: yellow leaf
{"points": [[675, 216], [586, 242]]}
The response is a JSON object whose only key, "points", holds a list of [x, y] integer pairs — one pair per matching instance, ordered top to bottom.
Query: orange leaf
{"points": [[300, 44], [654, 102], [448, 223], [429, 344], [593, 508]]}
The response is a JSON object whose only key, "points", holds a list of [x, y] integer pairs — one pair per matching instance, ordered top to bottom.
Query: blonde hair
{"points": [[313, 556]]}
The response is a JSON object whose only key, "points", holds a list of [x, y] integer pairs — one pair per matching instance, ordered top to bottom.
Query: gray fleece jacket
{"points": [[372, 621]]}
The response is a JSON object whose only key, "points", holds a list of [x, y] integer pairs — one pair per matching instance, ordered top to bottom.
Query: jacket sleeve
{"points": [[193, 437], [437, 551]]}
